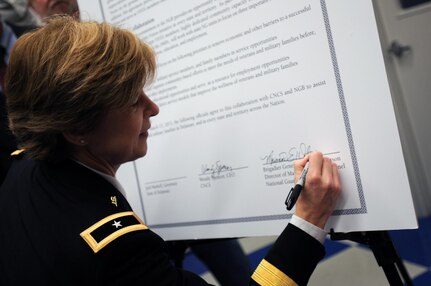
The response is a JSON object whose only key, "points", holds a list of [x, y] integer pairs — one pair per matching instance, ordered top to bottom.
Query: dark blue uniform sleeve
{"points": [[141, 258], [291, 260]]}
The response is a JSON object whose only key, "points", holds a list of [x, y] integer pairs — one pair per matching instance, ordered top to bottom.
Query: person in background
{"points": [[47, 8], [26, 15], [19, 16], [77, 106]]}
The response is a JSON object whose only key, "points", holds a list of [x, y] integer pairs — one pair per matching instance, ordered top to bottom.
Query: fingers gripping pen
{"points": [[295, 191]]}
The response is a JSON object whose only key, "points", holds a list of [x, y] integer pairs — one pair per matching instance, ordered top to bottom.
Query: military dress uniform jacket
{"points": [[63, 224]]}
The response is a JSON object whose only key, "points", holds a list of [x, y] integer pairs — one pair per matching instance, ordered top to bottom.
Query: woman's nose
{"points": [[152, 108]]}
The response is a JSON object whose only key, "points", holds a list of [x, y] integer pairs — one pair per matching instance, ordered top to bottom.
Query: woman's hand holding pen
{"points": [[322, 189]]}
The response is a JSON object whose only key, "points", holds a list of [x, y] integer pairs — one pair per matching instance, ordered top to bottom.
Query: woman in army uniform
{"points": [[76, 103]]}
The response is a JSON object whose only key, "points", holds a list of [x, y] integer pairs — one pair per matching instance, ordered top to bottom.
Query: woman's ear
{"points": [[75, 138]]}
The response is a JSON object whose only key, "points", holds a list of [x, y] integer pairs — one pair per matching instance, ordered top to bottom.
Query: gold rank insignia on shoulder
{"points": [[17, 152], [114, 201], [110, 228]]}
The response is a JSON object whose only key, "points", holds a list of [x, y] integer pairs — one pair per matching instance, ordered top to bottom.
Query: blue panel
{"points": [[411, 3], [414, 245], [334, 247], [257, 256], [193, 264], [423, 280]]}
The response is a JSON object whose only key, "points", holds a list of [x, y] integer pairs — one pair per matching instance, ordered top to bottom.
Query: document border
{"points": [[361, 210]]}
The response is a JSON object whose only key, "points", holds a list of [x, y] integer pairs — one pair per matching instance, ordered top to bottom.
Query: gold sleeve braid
{"points": [[267, 274]]}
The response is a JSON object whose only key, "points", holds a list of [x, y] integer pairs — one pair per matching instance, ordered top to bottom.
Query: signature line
{"points": [[224, 171], [166, 180]]}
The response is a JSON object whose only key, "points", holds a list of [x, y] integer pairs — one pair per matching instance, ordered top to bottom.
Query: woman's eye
{"points": [[139, 102]]}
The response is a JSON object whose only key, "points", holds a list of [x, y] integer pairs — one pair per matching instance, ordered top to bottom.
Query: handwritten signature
{"points": [[293, 154], [216, 168]]}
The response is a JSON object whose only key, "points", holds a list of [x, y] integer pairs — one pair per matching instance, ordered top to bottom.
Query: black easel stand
{"points": [[384, 251]]}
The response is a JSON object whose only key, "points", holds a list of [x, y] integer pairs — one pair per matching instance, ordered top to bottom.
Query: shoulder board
{"points": [[110, 228]]}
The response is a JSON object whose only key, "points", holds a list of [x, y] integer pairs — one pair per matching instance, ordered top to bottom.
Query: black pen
{"points": [[295, 191]]}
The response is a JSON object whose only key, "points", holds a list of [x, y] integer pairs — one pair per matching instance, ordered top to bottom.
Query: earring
{"points": [[82, 141]]}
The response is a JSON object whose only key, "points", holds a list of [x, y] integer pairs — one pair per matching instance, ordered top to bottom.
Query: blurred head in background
{"points": [[47, 8]]}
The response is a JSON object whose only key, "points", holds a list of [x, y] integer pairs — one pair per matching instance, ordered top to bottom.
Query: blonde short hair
{"points": [[65, 75]]}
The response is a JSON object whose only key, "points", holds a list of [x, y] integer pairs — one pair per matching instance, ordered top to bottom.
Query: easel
{"points": [[384, 251]]}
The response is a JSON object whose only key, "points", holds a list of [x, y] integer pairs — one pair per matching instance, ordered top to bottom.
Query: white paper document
{"points": [[246, 87]]}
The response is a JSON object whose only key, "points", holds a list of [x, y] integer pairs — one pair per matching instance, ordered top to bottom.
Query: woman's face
{"points": [[122, 134]]}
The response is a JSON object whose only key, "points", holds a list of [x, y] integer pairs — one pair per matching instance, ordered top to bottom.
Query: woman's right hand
{"points": [[321, 191]]}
